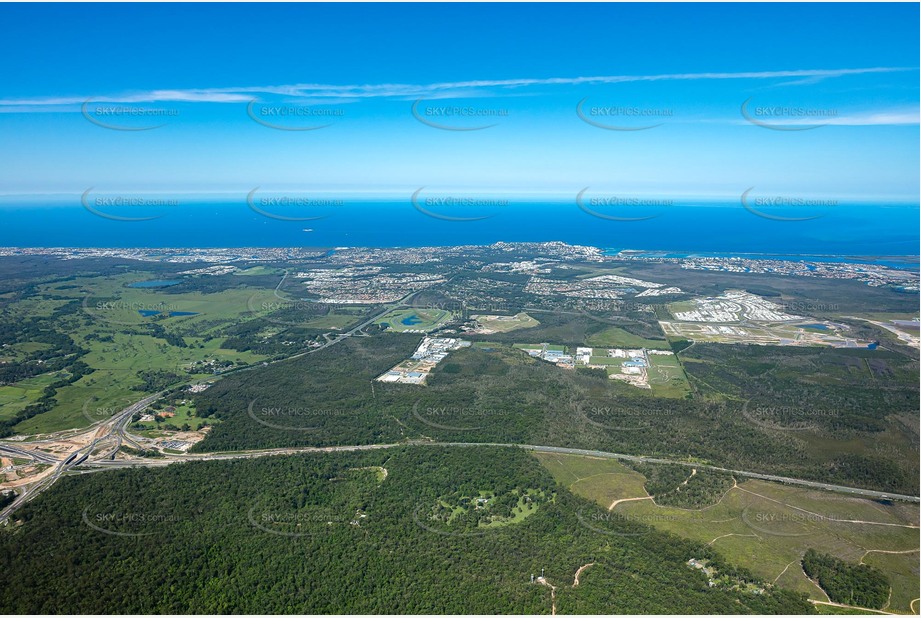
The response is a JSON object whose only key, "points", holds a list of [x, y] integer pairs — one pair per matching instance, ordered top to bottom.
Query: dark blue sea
{"points": [[693, 228]]}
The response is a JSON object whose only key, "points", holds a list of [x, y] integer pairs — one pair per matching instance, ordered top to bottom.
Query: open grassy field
{"points": [[258, 270], [111, 301], [681, 306], [333, 321], [505, 324], [113, 325], [615, 337], [527, 346], [17, 351], [667, 377], [112, 386], [15, 397], [183, 414], [600, 480], [520, 512], [767, 527], [902, 570]]}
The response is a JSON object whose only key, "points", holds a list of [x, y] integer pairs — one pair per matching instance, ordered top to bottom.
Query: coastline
{"points": [[909, 262]]}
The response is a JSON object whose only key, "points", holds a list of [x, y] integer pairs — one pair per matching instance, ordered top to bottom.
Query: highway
{"points": [[117, 427], [116, 431], [37, 456], [856, 491]]}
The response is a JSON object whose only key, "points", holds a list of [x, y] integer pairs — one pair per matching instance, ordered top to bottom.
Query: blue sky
{"points": [[830, 92]]}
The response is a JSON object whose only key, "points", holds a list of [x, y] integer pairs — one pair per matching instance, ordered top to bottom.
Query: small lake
{"points": [[816, 326]]}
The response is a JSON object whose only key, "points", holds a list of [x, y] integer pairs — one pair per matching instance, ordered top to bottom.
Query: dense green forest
{"points": [[794, 388], [501, 395], [684, 487], [349, 533], [852, 584]]}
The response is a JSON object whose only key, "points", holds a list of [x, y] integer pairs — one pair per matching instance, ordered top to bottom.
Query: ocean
{"points": [[718, 229]]}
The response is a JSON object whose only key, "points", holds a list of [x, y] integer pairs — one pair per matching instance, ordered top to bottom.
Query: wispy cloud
{"points": [[326, 92], [880, 117], [862, 118]]}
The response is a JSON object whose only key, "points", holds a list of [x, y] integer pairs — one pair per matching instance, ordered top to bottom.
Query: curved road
{"points": [[118, 424], [868, 493]]}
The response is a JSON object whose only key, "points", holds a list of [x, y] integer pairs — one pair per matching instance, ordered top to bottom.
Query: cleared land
{"points": [[731, 306], [741, 317], [489, 324], [808, 334], [616, 337], [667, 377], [182, 414], [600, 480], [767, 527]]}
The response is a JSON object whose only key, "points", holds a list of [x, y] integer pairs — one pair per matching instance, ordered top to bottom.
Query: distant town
{"points": [[872, 274]]}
